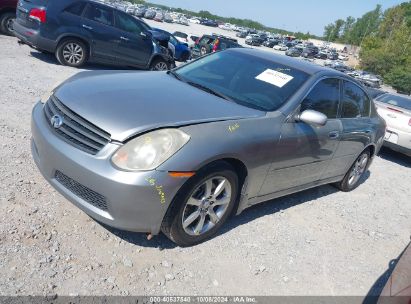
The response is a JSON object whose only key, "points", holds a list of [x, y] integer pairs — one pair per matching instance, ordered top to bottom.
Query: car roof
{"points": [[304, 66]]}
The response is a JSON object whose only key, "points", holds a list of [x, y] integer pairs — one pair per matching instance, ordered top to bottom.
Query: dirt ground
{"points": [[318, 242]]}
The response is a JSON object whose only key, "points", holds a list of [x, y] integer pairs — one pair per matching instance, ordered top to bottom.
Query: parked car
{"points": [[140, 11], [150, 14], [7, 16], [159, 17], [167, 18], [194, 20], [183, 21], [211, 23], [90, 31], [242, 34], [180, 36], [254, 40], [271, 42], [212, 43], [280, 47], [179, 50], [294, 52], [310, 52], [322, 55], [332, 56], [343, 57], [396, 111], [149, 173]]}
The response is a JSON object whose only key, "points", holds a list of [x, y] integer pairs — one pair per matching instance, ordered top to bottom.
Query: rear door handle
{"points": [[87, 27], [124, 38], [334, 135]]}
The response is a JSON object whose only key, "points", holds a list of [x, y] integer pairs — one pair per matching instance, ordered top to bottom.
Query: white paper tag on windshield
{"points": [[275, 78]]}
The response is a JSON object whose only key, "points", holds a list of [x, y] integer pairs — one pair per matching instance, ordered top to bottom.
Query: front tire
{"points": [[6, 23], [72, 52], [353, 177], [202, 205]]}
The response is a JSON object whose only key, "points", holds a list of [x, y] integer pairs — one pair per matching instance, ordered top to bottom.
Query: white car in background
{"points": [[194, 20], [280, 47], [343, 57], [396, 111]]}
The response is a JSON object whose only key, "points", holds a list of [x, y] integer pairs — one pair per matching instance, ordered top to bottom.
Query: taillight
{"points": [[38, 14], [197, 41], [215, 46], [409, 122]]}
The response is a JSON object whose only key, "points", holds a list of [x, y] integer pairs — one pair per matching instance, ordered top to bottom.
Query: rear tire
{"points": [[6, 23], [72, 52], [354, 176], [194, 204]]}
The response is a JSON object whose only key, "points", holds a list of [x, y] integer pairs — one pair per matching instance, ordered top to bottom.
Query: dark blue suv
{"points": [[78, 31]]}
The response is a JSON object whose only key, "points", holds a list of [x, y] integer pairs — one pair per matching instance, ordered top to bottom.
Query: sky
{"points": [[292, 15]]}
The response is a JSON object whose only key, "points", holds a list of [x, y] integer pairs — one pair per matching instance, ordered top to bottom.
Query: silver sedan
{"points": [[181, 151]]}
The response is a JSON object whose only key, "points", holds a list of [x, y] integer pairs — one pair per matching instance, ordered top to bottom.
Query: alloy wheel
{"points": [[9, 25], [203, 51], [73, 53], [160, 66], [358, 169], [206, 206]]}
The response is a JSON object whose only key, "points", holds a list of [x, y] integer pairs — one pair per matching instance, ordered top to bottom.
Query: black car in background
{"points": [[207, 22], [81, 31], [242, 34], [254, 40], [271, 42], [213, 43], [310, 52]]}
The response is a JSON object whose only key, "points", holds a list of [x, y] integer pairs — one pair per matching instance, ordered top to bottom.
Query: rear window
{"points": [[247, 80], [397, 101]]}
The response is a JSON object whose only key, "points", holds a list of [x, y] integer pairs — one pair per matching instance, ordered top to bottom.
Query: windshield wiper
{"points": [[208, 90]]}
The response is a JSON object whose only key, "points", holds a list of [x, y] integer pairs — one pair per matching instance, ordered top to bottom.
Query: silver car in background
{"points": [[396, 111], [181, 151]]}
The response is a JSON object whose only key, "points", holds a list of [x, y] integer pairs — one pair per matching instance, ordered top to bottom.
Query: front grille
{"points": [[76, 130], [90, 196]]}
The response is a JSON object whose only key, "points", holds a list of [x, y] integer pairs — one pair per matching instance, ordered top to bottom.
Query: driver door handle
{"points": [[87, 27], [124, 38], [334, 135]]}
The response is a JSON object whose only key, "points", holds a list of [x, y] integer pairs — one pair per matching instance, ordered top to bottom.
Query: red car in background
{"points": [[7, 16]]}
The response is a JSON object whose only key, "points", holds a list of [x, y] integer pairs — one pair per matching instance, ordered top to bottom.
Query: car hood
{"points": [[126, 103]]}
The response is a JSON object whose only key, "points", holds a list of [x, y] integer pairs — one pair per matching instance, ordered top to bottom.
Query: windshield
{"points": [[245, 79], [397, 101]]}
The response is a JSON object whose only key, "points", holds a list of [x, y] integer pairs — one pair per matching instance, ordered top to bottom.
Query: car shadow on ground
{"points": [[51, 59], [396, 157], [250, 214], [376, 289]]}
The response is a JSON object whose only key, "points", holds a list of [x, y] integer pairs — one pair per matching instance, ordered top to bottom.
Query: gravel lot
{"points": [[318, 242]]}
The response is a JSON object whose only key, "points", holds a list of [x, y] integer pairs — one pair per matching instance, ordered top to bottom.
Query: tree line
{"points": [[246, 23], [385, 41]]}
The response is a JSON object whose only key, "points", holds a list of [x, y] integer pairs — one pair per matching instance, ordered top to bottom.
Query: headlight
{"points": [[51, 91], [150, 150]]}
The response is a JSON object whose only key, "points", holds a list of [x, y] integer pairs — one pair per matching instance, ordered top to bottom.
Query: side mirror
{"points": [[312, 117]]}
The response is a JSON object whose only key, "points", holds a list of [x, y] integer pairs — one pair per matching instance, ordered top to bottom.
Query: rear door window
{"points": [[76, 8], [99, 14], [128, 24], [324, 98], [355, 101]]}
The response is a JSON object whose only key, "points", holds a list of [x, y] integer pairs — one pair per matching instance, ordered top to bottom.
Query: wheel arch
{"points": [[74, 36]]}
